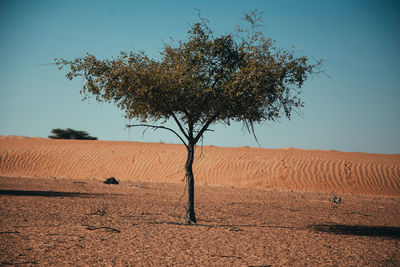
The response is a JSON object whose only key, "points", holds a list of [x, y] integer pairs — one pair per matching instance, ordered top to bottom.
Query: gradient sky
{"points": [[356, 109]]}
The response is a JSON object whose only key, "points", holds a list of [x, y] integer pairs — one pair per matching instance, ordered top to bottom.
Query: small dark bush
{"points": [[70, 134]]}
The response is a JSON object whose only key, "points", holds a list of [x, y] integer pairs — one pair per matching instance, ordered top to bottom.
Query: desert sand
{"points": [[287, 169], [255, 207]]}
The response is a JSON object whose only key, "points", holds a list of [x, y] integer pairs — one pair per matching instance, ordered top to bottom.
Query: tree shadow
{"points": [[34, 193], [230, 227], [339, 229], [359, 230]]}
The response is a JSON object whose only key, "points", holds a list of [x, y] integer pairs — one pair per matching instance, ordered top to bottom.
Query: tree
{"points": [[235, 77], [70, 134]]}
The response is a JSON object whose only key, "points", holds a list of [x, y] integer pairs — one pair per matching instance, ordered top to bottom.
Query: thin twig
{"points": [[88, 227]]}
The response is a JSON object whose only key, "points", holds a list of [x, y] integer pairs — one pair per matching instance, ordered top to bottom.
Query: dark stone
{"points": [[111, 180]]}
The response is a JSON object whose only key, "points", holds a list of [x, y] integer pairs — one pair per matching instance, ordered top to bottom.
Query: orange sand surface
{"points": [[286, 169], [56, 211], [67, 222]]}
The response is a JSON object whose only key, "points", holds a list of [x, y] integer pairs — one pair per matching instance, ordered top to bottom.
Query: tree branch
{"points": [[180, 126], [155, 127], [205, 127]]}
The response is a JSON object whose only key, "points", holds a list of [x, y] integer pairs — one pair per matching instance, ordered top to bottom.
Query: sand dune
{"points": [[287, 169]]}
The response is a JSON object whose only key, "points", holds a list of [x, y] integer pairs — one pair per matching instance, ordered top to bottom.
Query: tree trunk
{"points": [[190, 216]]}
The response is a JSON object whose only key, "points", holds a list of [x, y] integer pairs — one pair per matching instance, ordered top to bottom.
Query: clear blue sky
{"points": [[357, 110]]}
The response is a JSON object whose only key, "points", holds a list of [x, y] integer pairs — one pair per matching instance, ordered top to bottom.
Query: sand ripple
{"points": [[288, 169]]}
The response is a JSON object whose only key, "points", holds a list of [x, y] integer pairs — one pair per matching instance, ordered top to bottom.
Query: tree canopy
{"points": [[239, 76], [205, 79]]}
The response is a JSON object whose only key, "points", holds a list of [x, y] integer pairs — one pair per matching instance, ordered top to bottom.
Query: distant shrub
{"points": [[70, 134]]}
